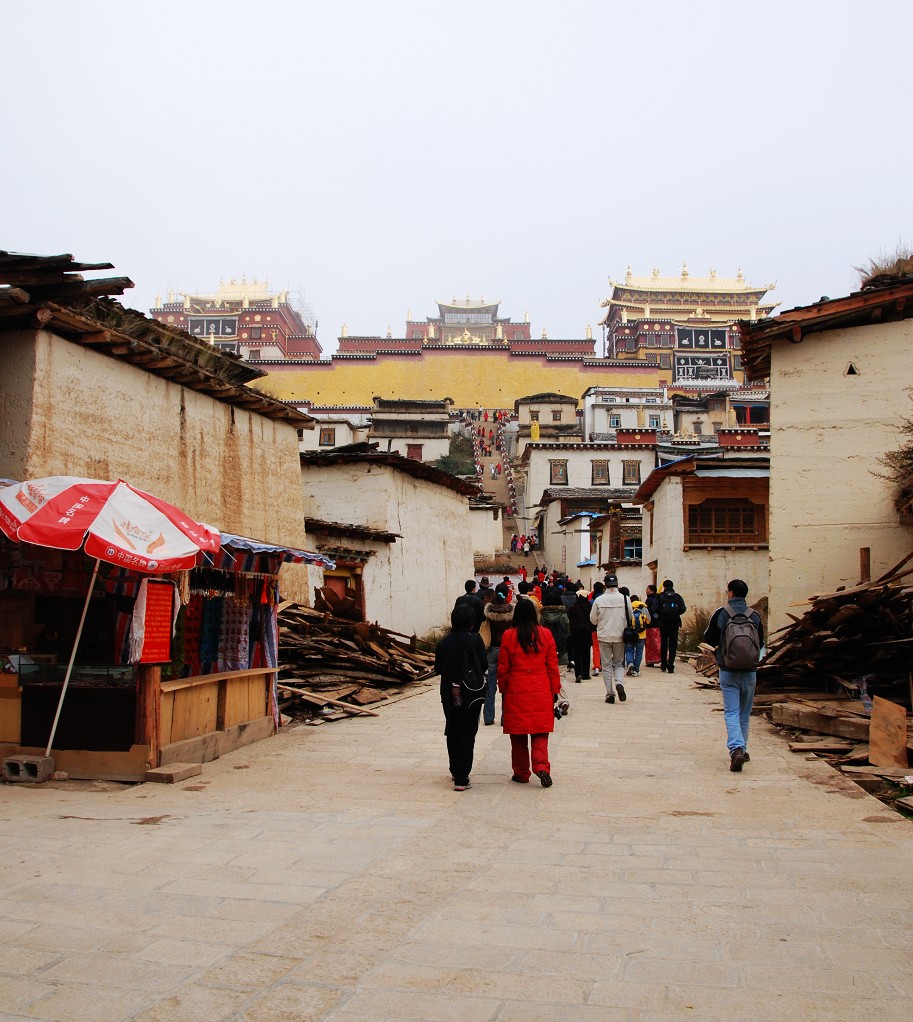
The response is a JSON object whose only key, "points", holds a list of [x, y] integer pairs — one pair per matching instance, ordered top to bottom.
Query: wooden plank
{"points": [[333, 702], [806, 719], [888, 734], [836, 745]]}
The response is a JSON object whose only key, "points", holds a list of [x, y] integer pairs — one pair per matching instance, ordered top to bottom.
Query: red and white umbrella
{"points": [[112, 522]]}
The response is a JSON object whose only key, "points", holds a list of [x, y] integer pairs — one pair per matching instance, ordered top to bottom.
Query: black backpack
{"points": [[670, 608], [554, 626], [740, 643]]}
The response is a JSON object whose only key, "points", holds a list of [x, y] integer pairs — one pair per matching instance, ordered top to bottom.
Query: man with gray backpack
{"points": [[737, 633]]}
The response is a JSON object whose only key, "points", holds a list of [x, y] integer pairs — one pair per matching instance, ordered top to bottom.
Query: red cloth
{"points": [[651, 650], [597, 659], [528, 683], [520, 755]]}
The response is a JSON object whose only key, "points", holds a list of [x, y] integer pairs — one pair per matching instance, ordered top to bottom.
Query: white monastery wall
{"points": [[81, 413], [828, 430], [431, 561], [700, 575]]}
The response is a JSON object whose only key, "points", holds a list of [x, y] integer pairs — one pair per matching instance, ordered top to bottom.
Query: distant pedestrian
{"points": [[471, 599], [671, 608], [611, 613], [498, 614], [640, 618], [651, 648], [737, 685]]}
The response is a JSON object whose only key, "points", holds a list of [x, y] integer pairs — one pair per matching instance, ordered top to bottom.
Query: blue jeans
{"points": [[634, 654], [738, 695], [488, 710]]}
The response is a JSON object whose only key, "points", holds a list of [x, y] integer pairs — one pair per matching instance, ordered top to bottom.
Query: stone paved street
{"points": [[331, 873]]}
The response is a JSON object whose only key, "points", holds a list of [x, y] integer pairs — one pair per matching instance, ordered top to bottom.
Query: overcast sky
{"points": [[378, 156]]}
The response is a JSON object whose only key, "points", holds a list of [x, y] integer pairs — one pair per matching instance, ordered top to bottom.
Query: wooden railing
{"points": [[191, 707]]}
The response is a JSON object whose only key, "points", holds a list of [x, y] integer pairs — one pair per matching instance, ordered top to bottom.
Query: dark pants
{"points": [[581, 645], [668, 646], [460, 731]]}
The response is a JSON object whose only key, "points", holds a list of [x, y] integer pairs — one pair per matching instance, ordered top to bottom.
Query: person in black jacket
{"points": [[470, 598], [671, 607], [581, 635], [461, 662]]}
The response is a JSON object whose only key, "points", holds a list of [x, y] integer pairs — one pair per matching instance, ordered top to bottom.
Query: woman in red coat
{"points": [[529, 682]]}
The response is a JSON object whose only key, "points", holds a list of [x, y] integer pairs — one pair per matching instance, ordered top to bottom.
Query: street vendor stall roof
{"points": [[289, 555]]}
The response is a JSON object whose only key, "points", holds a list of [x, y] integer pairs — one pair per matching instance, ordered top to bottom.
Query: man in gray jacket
{"points": [[611, 613]]}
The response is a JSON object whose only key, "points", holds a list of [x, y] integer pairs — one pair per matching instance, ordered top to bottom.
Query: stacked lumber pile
{"points": [[857, 640], [335, 667]]}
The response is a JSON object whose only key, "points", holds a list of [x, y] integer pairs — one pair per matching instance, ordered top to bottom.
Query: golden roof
{"points": [[685, 282]]}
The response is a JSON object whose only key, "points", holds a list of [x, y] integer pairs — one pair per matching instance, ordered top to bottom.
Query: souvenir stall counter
{"points": [[42, 593], [174, 669]]}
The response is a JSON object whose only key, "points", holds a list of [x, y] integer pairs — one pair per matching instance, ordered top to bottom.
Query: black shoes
{"points": [[622, 695], [610, 698], [736, 759], [545, 778]]}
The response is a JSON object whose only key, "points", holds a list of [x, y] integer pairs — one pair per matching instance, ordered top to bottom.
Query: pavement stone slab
{"points": [[337, 877]]}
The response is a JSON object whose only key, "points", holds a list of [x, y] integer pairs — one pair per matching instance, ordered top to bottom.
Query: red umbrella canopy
{"points": [[117, 523]]}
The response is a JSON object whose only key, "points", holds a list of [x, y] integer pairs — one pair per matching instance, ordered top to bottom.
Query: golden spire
{"points": [[589, 332]]}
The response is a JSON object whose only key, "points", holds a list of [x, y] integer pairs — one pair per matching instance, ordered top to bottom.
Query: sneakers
{"points": [[629, 668], [635, 674], [622, 695], [610, 698], [736, 759], [545, 778], [462, 785]]}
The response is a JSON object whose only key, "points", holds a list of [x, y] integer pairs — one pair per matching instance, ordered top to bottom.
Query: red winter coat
{"points": [[528, 683]]}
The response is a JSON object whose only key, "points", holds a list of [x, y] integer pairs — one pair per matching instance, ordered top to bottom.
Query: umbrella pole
{"points": [[66, 680]]}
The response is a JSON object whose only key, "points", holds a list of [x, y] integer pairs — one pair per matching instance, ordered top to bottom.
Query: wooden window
{"points": [[255, 333], [253, 353], [665, 361], [556, 415], [533, 416], [614, 421], [654, 422], [327, 436], [414, 451], [558, 473], [630, 473], [600, 476], [719, 522], [633, 548]]}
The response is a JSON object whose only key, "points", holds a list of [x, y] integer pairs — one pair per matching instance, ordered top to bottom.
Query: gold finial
{"points": [[684, 270], [713, 274], [629, 276], [739, 276], [171, 296], [468, 299], [482, 299], [158, 301], [408, 315], [526, 317], [345, 330], [389, 330], [499, 332], [589, 332], [544, 335]]}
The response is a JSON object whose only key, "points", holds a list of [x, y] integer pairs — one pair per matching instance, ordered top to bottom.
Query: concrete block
{"points": [[33, 769], [174, 772]]}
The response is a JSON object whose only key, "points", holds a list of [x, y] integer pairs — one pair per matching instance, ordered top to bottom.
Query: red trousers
{"points": [[520, 755]]}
